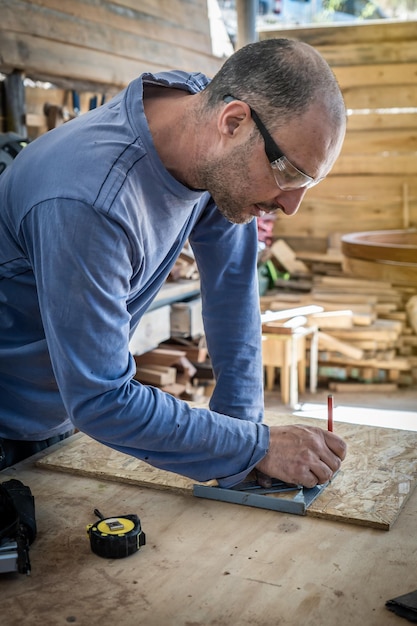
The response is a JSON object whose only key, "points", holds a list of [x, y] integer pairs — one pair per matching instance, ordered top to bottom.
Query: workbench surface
{"points": [[204, 563]]}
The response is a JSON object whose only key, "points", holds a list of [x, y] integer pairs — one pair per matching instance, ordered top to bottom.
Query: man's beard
{"points": [[225, 181]]}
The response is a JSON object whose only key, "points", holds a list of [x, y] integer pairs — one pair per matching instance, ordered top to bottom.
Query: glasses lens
{"points": [[288, 177]]}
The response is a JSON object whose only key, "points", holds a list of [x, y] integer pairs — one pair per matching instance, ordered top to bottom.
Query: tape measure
{"points": [[116, 537]]}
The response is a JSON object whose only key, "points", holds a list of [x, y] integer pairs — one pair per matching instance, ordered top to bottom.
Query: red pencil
{"points": [[330, 413]]}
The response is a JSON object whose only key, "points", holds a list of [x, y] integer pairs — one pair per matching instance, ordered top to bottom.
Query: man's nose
{"points": [[291, 200]]}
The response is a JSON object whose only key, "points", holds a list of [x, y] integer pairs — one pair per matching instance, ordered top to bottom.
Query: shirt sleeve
{"points": [[226, 255], [83, 263]]}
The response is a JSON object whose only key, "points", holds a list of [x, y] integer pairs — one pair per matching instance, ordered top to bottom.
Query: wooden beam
{"points": [[15, 103], [328, 342]]}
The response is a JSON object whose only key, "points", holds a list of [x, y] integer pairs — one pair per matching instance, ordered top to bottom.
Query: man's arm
{"points": [[226, 255], [227, 258], [83, 266]]}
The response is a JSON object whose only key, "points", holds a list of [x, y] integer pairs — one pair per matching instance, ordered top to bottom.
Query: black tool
{"points": [[17, 526]]}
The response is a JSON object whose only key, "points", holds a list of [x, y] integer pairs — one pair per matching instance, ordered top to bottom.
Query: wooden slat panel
{"points": [[186, 12], [92, 25], [340, 35], [103, 43], [364, 53], [53, 61], [381, 75], [375, 97], [385, 120], [381, 141], [379, 152], [361, 163], [372, 185], [362, 187], [343, 204], [338, 218]]}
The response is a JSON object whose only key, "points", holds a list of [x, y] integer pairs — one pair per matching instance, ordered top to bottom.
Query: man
{"points": [[92, 217]]}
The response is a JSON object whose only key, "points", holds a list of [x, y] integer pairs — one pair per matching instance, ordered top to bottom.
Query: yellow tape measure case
{"points": [[116, 537]]}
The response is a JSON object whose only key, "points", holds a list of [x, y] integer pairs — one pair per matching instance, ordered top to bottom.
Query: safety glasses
{"points": [[287, 176]]}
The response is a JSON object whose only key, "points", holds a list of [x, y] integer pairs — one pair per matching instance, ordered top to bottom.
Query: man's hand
{"points": [[302, 455]]}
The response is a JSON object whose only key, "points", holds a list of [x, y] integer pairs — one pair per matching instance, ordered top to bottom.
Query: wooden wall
{"points": [[99, 46], [373, 185]]}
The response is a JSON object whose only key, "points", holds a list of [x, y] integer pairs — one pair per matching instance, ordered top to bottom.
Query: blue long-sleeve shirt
{"points": [[91, 224]]}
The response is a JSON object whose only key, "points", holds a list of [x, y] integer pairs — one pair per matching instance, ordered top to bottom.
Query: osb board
{"points": [[376, 479]]}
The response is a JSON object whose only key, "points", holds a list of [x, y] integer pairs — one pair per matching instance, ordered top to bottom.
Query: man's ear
{"points": [[233, 117]]}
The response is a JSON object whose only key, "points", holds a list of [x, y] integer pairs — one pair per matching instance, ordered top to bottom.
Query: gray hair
{"points": [[280, 79]]}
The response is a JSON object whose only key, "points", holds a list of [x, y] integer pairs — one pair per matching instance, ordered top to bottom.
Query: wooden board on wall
{"points": [[360, 36], [108, 43], [372, 183], [346, 203], [376, 479]]}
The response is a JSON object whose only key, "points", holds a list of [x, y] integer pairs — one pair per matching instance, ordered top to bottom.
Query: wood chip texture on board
{"points": [[376, 478]]}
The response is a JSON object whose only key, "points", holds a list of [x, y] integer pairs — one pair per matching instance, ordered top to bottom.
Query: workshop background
{"points": [[60, 58]]}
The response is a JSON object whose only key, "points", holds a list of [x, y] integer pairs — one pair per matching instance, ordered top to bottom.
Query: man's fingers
{"points": [[335, 444], [323, 472], [263, 479]]}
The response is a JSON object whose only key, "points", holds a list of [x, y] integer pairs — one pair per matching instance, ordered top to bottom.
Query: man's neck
{"points": [[169, 113]]}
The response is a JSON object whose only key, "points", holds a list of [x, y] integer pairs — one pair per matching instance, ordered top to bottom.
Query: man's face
{"points": [[242, 182]]}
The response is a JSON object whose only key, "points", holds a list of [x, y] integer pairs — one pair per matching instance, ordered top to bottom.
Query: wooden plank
{"points": [[73, 20], [331, 37], [100, 49], [372, 52], [354, 53], [46, 60], [379, 74], [375, 97], [15, 105], [368, 121], [380, 141], [378, 147], [391, 164], [359, 187], [318, 217], [286, 257], [322, 257], [354, 284], [343, 298], [356, 308], [281, 314], [332, 319], [362, 319], [374, 331], [328, 342], [160, 356], [400, 363], [156, 375], [361, 387], [86, 457], [376, 479]]}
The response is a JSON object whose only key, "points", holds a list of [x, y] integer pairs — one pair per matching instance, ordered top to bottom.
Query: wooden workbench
{"points": [[204, 563]]}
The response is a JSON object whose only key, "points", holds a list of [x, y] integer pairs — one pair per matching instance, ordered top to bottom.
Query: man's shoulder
{"points": [[178, 79]]}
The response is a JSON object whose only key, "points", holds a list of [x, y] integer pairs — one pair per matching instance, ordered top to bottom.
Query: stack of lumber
{"points": [[185, 266], [365, 331], [180, 370]]}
